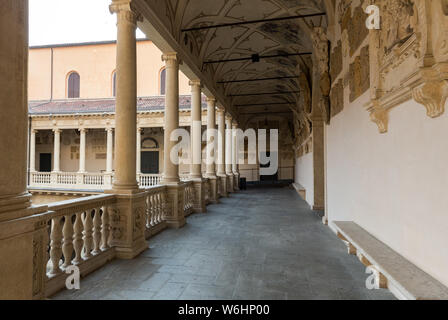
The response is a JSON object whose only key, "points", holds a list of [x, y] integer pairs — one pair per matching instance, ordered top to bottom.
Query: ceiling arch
{"points": [[280, 40]]}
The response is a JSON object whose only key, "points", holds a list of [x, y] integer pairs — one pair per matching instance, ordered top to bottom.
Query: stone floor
{"points": [[258, 244]]}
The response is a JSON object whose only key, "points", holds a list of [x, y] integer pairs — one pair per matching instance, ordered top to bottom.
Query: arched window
{"points": [[162, 81], [114, 84], [73, 85]]}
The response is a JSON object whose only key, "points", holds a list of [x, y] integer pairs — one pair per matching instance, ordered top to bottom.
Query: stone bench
{"points": [[300, 190], [399, 275]]}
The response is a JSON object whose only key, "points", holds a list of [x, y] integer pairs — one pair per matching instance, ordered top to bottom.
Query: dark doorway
{"points": [[45, 162], [150, 162], [271, 178]]}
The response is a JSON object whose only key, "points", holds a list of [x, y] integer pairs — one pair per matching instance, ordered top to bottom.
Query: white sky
{"points": [[71, 21]]}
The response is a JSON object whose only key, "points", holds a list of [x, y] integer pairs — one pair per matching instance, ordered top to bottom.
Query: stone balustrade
{"points": [[85, 181], [156, 210], [81, 232], [79, 235]]}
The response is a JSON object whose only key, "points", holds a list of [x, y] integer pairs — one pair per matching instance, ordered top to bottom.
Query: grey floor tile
{"points": [[257, 244]]}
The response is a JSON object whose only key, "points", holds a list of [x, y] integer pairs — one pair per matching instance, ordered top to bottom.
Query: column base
{"points": [[230, 182], [236, 183], [223, 185], [214, 197], [199, 205], [14, 207], [174, 216], [128, 222], [23, 247]]}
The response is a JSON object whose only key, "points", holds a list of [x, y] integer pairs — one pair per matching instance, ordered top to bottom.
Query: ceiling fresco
{"points": [[283, 40]]}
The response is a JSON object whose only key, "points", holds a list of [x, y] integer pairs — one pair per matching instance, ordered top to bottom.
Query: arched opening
{"points": [[73, 85], [150, 156]]}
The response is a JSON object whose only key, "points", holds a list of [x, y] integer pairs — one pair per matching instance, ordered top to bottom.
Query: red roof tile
{"points": [[86, 106]]}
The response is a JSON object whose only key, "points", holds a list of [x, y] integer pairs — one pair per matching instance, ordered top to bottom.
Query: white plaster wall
{"points": [[304, 176], [394, 185]]}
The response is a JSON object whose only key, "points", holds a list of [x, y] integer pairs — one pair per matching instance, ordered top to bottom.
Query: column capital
{"points": [[125, 11], [171, 59], [195, 83], [211, 101], [220, 110], [228, 117], [234, 124], [109, 129], [57, 130], [83, 130], [139, 130], [34, 131]]}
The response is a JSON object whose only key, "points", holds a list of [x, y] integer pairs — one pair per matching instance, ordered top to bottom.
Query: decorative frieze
{"points": [[409, 58], [336, 61], [359, 75], [337, 98]]}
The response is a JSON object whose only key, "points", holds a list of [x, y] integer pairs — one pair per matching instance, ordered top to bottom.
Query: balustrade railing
{"points": [[184, 176], [40, 178], [149, 180], [84, 181], [156, 210], [80, 231], [79, 235]]}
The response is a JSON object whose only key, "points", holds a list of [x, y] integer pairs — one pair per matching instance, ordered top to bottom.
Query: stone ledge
{"points": [[300, 190], [405, 280]]}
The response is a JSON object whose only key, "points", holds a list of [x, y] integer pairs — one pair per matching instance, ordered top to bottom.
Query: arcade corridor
{"points": [[258, 244]]}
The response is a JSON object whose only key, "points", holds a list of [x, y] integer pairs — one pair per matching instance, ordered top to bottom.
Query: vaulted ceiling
{"points": [[285, 42]]}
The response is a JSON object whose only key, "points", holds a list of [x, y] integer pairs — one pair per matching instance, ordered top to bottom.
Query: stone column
{"points": [[126, 100], [320, 113], [195, 130], [196, 147], [212, 149], [33, 150], [57, 150], [82, 150], [110, 150], [139, 151], [221, 152], [228, 157], [171, 169], [235, 171], [175, 189], [130, 206], [22, 232]]}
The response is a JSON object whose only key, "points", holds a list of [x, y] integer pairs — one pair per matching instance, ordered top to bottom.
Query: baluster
{"points": [[162, 207], [156, 208], [159, 208], [148, 211], [153, 211], [105, 229], [97, 232], [87, 234], [77, 239], [55, 245], [67, 246]]}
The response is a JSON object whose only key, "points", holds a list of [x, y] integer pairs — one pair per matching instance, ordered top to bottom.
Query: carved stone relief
{"points": [[357, 31], [409, 58], [336, 61], [359, 75], [337, 98]]}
